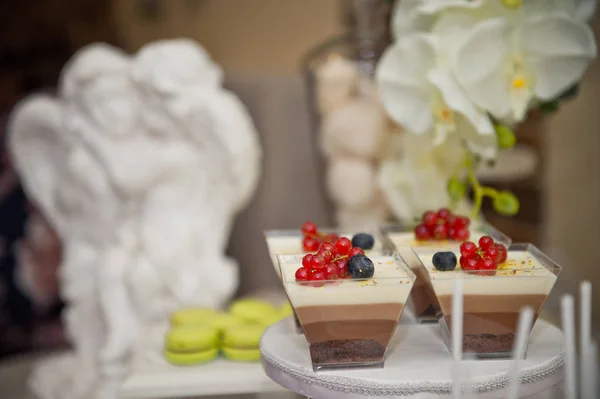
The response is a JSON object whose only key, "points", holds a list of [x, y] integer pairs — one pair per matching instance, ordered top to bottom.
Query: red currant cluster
{"points": [[442, 225], [313, 239], [488, 256], [329, 263]]}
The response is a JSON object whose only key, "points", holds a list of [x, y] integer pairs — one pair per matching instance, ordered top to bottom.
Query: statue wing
{"points": [[219, 116], [38, 148], [58, 173]]}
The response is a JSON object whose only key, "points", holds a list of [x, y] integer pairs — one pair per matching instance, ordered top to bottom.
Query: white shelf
{"points": [[153, 377], [220, 377]]}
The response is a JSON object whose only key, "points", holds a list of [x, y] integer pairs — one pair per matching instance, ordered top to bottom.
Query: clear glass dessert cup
{"points": [[289, 242], [423, 300], [492, 300], [349, 323]]}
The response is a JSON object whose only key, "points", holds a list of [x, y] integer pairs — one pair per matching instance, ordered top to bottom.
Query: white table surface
{"points": [[418, 364], [151, 376]]}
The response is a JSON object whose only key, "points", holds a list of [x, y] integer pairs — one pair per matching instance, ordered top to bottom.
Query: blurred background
{"points": [[261, 45]]}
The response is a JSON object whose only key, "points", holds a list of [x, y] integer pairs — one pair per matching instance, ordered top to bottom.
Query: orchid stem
{"points": [[479, 191]]}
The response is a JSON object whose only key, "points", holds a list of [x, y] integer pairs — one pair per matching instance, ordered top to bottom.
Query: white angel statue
{"points": [[140, 164]]}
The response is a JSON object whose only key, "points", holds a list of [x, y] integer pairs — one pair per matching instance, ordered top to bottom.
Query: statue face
{"points": [[110, 105]]}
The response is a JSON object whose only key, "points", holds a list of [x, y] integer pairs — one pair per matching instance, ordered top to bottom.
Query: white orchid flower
{"points": [[412, 16], [506, 57], [424, 98], [417, 180]]}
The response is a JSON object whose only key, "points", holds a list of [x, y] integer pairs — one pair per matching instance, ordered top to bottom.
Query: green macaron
{"points": [[252, 310], [286, 310], [192, 316], [222, 321], [242, 343], [189, 345]]}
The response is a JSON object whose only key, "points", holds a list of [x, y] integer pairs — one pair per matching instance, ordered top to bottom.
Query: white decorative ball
{"points": [[336, 81], [358, 128], [351, 182]]}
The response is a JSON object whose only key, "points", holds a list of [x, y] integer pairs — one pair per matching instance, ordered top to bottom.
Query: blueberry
{"points": [[363, 240], [444, 261], [359, 266]]}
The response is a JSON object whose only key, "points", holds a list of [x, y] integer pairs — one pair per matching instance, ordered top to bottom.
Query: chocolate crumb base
{"points": [[488, 343], [347, 351]]}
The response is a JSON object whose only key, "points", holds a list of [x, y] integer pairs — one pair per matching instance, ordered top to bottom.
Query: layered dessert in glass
{"points": [[410, 241], [293, 242], [494, 292], [348, 322]]}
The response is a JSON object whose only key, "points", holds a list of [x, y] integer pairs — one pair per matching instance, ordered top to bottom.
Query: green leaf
{"points": [[569, 93], [549, 107], [506, 137], [506, 203]]}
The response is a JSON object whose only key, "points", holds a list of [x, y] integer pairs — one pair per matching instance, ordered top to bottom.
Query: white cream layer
{"points": [[292, 245], [522, 274], [391, 283]]}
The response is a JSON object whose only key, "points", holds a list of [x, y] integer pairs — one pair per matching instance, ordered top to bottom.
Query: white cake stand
{"points": [[418, 364]]}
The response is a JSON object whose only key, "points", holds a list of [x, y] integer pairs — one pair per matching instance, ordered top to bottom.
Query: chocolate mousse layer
{"points": [[490, 321], [349, 334]]}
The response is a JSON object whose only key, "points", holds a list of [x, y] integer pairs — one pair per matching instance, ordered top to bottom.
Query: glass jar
{"points": [[349, 123]]}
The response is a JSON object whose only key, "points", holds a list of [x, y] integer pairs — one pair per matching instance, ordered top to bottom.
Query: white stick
{"points": [[525, 322], [568, 325], [457, 336], [585, 336], [590, 369]]}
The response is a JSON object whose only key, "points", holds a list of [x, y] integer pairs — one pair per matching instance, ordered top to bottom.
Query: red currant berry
{"points": [[444, 213], [430, 218], [450, 220], [461, 222], [309, 228], [421, 232], [440, 232], [451, 232], [462, 234], [332, 238], [485, 242], [310, 244], [327, 246], [343, 246], [467, 248], [355, 251], [491, 253], [502, 254], [328, 256], [306, 261], [462, 261], [317, 262], [470, 263], [341, 264], [486, 264], [331, 272], [302, 274], [318, 276], [315, 278]]}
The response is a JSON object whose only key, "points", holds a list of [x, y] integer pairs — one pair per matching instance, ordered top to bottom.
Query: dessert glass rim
{"points": [[541, 257], [297, 259]]}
